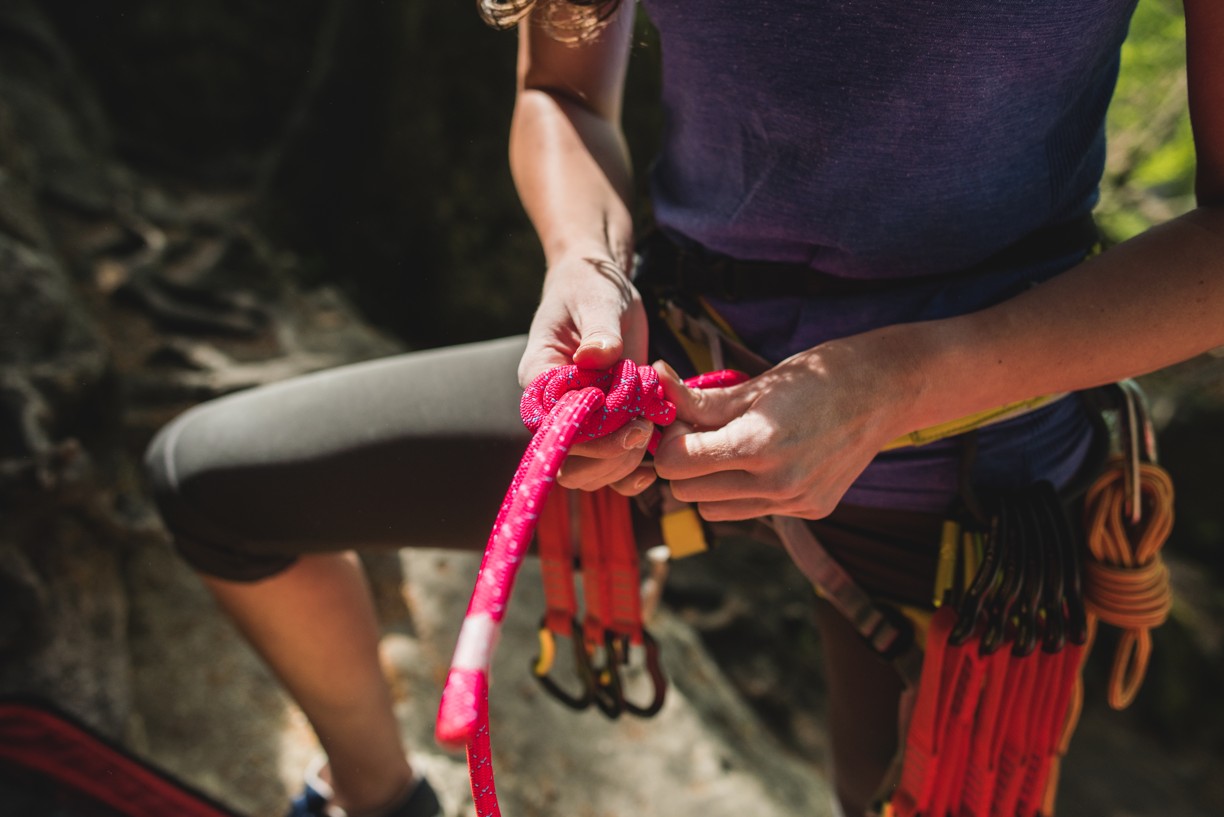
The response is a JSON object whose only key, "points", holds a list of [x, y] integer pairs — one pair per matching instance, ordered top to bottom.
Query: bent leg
{"points": [[412, 450], [264, 489], [314, 625], [864, 693]]}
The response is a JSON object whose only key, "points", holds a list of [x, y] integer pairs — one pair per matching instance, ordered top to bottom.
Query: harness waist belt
{"points": [[678, 266]]}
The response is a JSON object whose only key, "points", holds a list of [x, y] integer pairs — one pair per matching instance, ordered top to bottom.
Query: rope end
{"points": [[459, 708]]}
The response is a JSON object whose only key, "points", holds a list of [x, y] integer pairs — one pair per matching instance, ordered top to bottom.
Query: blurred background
{"points": [[203, 196]]}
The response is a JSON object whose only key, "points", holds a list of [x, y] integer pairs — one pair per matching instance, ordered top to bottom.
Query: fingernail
{"points": [[636, 437], [641, 483]]}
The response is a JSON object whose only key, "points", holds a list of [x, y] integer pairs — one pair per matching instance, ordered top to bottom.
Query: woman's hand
{"points": [[590, 315], [790, 441]]}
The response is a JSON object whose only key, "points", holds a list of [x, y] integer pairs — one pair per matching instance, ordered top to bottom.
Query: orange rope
{"points": [[1126, 581], [1126, 584]]}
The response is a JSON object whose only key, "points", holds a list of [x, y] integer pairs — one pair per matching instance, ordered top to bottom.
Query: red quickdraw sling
{"points": [[612, 623]]}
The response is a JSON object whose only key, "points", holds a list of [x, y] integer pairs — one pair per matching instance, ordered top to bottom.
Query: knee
{"points": [[192, 512]]}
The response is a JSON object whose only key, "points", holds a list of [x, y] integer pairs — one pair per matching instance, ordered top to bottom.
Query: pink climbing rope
{"points": [[560, 406]]}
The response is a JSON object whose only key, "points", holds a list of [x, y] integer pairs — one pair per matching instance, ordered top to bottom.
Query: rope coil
{"points": [[1127, 582]]}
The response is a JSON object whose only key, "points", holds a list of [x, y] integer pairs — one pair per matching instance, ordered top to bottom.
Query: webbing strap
{"points": [[554, 537], [610, 577], [623, 577], [595, 585], [881, 631], [921, 752]]}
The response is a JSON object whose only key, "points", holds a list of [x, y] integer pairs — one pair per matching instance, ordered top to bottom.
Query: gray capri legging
{"points": [[411, 450]]}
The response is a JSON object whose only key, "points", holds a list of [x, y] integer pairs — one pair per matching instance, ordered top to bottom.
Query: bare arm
{"points": [[567, 151], [571, 167], [572, 170], [1145, 304]]}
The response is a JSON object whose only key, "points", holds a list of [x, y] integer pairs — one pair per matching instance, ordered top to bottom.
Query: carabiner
{"points": [[1056, 538], [1003, 599], [972, 604], [1027, 622], [542, 664], [605, 677], [658, 679]]}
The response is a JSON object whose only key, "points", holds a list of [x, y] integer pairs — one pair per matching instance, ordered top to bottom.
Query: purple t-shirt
{"points": [[884, 140]]}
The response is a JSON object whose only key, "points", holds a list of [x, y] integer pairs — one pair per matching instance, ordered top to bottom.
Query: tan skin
{"points": [[789, 441]]}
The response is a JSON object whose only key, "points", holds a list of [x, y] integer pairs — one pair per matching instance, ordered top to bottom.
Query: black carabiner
{"points": [[1056, 537], [1011, 565], [972, 603], [972, 606], [1028, 608], [542, 664], [659, 681], [606, 690]]}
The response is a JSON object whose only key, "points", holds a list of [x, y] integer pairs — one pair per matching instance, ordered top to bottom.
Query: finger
{"points": [[599, 329], [704, 408], [633, 436], [683, 453], [586, 474], [637, 481], [717, 487], [755, 507], [733, 510]]}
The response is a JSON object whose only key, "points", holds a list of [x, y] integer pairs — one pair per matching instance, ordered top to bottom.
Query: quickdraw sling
{"points": [[612, 625]]}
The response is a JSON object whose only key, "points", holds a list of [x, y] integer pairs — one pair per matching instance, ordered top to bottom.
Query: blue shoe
{"points": [[422, 801]]}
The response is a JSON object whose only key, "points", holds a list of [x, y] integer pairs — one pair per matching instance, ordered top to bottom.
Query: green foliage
{"points": [[1150, 172]]}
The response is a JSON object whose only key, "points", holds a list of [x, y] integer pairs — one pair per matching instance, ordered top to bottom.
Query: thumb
{"points": [[601, 346], [702, 408]]}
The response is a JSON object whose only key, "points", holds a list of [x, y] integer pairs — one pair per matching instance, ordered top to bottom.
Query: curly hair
{"points": [[565, 20]]}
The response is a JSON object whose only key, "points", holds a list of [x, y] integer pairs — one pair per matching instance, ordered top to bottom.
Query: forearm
{"points": [[567, 152], [571, 168], [1148, 303]]}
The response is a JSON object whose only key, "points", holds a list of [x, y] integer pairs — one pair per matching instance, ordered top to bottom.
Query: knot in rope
{"points": [[628, 391], [1126, 581]]}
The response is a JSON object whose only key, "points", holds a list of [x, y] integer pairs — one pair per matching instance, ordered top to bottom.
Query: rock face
{"points": [[192, 204], [62, 608]]}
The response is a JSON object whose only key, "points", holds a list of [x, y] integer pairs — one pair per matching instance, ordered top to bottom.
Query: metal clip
{"points": [[1138, 444], [543, 663], [654, 671]]}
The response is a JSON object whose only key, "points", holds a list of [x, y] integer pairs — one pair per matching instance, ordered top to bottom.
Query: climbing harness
{"points": [[560, 406]]}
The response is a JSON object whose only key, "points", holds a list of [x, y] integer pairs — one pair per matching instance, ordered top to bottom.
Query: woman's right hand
{"points": [[590, 315]]}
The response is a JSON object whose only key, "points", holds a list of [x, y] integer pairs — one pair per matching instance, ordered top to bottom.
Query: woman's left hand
{"points": [[790, 441]]}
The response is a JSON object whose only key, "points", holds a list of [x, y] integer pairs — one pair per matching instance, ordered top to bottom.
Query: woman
{"points": [[908, 180]]}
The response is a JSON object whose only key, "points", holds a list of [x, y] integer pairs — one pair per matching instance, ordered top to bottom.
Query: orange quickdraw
{"points": [[611, 627]]}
